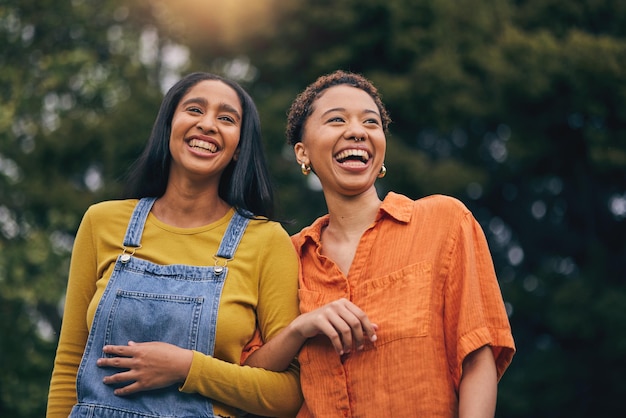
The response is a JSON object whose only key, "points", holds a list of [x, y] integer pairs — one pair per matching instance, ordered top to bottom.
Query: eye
{"points": [[194, 109], [227, 118], [335, 119], [372, 121]]}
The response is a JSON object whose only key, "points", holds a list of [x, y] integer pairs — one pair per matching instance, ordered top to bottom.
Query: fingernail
{"points": [[374, 338]]}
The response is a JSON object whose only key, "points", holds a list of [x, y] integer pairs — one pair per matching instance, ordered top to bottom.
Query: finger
{"points": [[346, 319], [363, 327], [328, 328], [355, 331], [344, 333], [372, 336], [118, 350], [117, 362], [118, 378], [128, 390]]}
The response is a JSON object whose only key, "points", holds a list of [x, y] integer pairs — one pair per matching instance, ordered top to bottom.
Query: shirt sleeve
{"points": [[474, 309], [74, 331], [257, 390]]}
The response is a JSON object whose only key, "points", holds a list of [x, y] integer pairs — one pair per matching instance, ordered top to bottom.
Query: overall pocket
{"points": [[141, 317]]}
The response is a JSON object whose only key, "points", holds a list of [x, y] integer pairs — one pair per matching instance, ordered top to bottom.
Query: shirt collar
{"points": [[394, 205], [397, 206]]}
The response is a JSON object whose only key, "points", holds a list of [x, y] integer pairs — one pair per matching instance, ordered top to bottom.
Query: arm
{"points": [[80, 290], [341, 321], [155, 365], [478, 388]]}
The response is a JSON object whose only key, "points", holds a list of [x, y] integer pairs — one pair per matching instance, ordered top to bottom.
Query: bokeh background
{"points": [[516, 107]]}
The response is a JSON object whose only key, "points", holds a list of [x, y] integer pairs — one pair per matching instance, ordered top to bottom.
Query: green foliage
{"points": [[518, 108], [64, 140]]}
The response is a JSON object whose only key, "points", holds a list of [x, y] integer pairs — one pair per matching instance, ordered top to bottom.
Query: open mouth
{"points": [[203, 145], [353, 155]]}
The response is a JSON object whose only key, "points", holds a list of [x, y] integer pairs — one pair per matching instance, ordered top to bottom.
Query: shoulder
{"points": [[443, 203], [112, 206], [438, 207], [111, 209], [444, 213], [104, 220], [266, 227], [267, 234], [271, 244]]}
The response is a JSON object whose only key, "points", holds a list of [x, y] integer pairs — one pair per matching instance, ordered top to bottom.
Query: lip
{"points": [[203, 138], [354, 166]]}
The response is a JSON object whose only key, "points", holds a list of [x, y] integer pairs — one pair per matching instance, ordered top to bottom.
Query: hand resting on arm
{"points": [[344, 323]]}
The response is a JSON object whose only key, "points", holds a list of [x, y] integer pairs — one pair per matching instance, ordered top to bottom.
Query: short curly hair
{"points": [[302, 106]]}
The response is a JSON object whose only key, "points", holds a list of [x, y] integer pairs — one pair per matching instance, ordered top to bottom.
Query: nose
{"points": [[206, 123], [355, 132]]}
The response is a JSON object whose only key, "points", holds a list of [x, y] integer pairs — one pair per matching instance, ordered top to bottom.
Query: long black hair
{"points": [[245, 183]]}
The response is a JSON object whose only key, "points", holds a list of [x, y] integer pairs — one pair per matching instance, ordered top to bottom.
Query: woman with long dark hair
{"points": [[167, 287]]}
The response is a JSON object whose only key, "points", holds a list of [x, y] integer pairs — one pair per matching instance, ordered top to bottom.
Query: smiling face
{"points": [[341, 114], [206, 127]]}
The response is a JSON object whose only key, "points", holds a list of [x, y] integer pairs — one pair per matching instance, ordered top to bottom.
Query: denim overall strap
{"points": [[137, 222], [232, 236], [230, 241], [144, 301]]}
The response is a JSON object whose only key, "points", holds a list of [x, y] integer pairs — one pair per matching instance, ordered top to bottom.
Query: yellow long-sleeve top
{"points": [[261, 287]]}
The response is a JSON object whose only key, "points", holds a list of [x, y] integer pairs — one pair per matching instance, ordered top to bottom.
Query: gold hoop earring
{"points": [[305, 169], [383, 172]]}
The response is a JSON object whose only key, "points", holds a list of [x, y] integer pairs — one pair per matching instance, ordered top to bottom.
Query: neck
{"points": [[188, 207], [351, 215]]}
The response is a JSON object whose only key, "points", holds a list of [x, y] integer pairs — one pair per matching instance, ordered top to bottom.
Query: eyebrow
{"points": [[204, 102], [341, 109]]}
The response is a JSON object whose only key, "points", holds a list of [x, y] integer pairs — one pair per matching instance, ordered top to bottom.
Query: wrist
{"points": [[295, 331], [186, 360]]}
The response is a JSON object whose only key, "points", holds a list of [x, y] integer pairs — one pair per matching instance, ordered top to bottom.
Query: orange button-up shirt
{"points": [[424, 274]]}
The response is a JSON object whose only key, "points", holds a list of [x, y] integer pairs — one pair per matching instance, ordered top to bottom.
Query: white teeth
{"points": [[196, 143], [353, 153]]}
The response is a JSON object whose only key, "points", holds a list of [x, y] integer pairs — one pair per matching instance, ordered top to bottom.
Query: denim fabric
{"points": [[143, 301]]}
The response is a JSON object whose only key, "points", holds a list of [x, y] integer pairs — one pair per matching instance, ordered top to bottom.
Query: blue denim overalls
{"points": [[143, 301]]}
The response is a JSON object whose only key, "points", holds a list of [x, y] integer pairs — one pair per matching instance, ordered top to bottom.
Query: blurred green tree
{"points": [[67, 132]]}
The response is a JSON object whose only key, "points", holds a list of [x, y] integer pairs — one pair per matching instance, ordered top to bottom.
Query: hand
{"points": [[341, 321], [151, 365]]}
